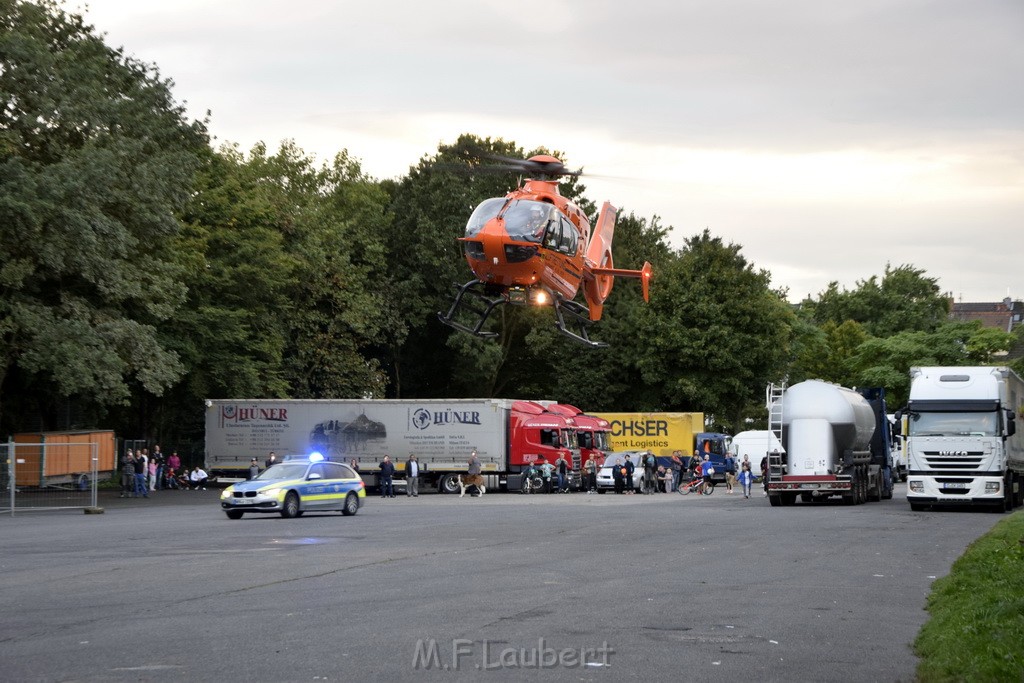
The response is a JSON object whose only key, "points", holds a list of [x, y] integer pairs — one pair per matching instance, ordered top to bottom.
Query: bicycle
{"points": [[532, 482], [696, 485]]}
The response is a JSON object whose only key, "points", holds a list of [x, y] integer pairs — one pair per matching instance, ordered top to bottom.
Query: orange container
{"points": [[53, 457]]}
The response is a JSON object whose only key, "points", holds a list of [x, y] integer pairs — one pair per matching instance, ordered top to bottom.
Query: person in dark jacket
{"points": [[630, 468], [387, 473], [617, 477], [140, 478]]}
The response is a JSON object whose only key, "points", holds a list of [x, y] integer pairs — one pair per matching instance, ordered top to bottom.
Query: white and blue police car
{"points": [[297, 484]]}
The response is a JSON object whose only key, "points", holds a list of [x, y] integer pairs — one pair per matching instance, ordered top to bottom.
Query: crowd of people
{"points": [[143, 473], [555, 477]]}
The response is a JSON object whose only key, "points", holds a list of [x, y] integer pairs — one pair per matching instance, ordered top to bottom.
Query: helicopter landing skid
{"points": [[476, 297], [481, 305], [580, 316]]}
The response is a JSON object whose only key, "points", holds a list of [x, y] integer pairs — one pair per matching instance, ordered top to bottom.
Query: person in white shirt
{"points": [[198, 478]]}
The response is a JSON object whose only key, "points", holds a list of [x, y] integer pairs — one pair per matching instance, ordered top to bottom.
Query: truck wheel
{"points": [[448, 484], [875, 493], [788, 498], [850, 498], [774, 500], [291, 505], [351, 505], [233, 514]]}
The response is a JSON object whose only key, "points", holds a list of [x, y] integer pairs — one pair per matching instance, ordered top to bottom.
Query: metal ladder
{"points": [[773, 400]]}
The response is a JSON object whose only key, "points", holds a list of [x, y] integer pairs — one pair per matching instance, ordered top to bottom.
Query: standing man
{"points": [[272, 459], [695, 462], [650, 467], [254, 469], [591, 470], [677, 470], [730, 472], [387, 473], [561, 473], [128, 474], [628, 476], [140, 477], [412, 477]]}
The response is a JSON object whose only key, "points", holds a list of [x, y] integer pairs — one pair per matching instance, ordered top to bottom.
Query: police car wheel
{"points": [[291, 505], [351, 505], [233, 514]]}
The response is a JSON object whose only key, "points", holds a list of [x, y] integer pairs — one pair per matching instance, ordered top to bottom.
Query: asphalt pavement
{"points": [[499, 587]]}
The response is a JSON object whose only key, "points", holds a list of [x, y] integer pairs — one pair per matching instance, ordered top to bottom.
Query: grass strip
{"points": [[976, 629]]}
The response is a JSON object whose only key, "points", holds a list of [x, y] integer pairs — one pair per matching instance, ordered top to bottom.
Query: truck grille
{"points": [[953, 464]]}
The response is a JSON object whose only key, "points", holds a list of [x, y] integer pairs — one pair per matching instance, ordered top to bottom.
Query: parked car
{"points": [[605, 479]]}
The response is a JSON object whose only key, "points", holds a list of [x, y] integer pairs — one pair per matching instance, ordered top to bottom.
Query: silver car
{"points": [[605, 479]]}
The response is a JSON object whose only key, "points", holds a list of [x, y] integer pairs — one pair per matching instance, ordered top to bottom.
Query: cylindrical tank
{"points": [[821, 421]]}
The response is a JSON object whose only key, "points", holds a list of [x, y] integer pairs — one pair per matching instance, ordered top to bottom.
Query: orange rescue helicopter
{"points": [[535, 247]]}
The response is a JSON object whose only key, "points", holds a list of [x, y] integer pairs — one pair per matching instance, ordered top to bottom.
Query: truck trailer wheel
{"points": [[448, 483], [774, 499]]}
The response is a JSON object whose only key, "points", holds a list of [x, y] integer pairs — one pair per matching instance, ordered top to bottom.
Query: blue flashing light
{"points": [[315, 457]]}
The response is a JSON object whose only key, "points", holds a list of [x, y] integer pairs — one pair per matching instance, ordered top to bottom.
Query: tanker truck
{"points": [[835, 443]]}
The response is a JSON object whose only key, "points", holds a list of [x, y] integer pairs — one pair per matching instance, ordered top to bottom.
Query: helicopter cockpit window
{"points": [[487, 210], [527, 220], [554, 236], [568, 241]]}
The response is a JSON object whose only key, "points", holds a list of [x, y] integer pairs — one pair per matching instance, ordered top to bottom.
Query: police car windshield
{"points": [[282, 472]]}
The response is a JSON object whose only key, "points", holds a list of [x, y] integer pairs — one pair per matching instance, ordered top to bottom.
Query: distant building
{"points": [[1005, 315]]}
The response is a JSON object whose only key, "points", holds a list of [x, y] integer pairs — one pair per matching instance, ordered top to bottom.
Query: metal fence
{"points": [[48, 476]]}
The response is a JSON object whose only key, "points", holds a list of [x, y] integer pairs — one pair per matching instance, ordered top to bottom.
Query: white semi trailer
{"points": [[961, 437], [836, 443]]}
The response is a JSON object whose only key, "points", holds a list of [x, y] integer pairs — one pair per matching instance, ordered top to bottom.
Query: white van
{"points": [[755, 445]]}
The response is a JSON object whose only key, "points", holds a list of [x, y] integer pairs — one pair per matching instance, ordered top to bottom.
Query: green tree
{"points": [[95, 157], [342, 284], [904, 300], [714, 335], [886, 362]]}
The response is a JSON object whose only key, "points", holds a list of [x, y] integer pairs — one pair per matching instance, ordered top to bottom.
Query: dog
{"points": [[476, 480]]}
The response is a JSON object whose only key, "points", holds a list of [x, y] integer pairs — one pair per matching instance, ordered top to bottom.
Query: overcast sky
{"points": [[825, 138]]}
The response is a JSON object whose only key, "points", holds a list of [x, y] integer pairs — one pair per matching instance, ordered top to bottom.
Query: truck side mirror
{"points": [[1011, 423]]}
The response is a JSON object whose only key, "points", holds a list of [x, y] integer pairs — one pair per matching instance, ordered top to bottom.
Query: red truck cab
{"points": [[536, 434]]}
